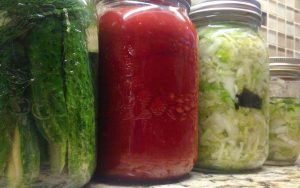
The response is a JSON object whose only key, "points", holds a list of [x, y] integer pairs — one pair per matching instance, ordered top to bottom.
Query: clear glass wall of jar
{"points": [[234, 86], [149, 90], [284, 111], [47, 113]]}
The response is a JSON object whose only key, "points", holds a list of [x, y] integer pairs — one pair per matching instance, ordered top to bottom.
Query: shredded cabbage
{"points": [[233, 98], [284, 129]]}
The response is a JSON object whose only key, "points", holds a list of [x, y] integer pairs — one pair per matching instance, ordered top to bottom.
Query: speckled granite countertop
{"points": [[267, 177]]}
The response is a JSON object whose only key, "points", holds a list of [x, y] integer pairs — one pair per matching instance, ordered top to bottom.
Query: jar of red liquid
{"points": [[148, 90]]}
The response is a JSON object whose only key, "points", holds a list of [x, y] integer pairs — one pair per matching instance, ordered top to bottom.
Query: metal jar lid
{"points": [[226, 10], [285, 68]]}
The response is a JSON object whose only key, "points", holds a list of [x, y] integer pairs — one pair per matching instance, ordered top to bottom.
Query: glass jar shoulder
{"points": [[133, 16], [240, 35]]}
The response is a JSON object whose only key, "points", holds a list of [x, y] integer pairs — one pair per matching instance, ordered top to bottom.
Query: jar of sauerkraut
{"points": [[234, 85], [284, 111]]}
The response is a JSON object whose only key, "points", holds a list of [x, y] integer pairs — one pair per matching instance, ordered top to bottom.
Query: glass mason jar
{"points": [[234, 78], [148, 97], [284, 111], [47, 113]]}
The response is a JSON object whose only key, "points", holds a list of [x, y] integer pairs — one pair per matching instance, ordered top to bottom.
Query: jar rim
{"points": [[227, 10], [285, 67]]}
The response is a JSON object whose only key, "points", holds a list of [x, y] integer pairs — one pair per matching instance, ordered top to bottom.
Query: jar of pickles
{"points": [[234, 85], [148, 90], [284, 111], [47, 113]]}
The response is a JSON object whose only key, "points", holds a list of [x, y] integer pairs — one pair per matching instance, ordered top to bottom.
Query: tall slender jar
{"points": [[234, 78], [148, 96], [47, 108], [284, 111]]}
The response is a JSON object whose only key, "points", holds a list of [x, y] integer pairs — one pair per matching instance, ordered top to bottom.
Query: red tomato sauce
{"points": [[148, 94]]}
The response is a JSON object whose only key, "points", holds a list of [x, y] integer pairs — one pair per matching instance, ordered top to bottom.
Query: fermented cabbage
{"points": [[233, 98], [284, 129]]}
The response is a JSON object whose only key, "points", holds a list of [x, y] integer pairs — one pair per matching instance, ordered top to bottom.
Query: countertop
{"points": [[267, 177]]}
